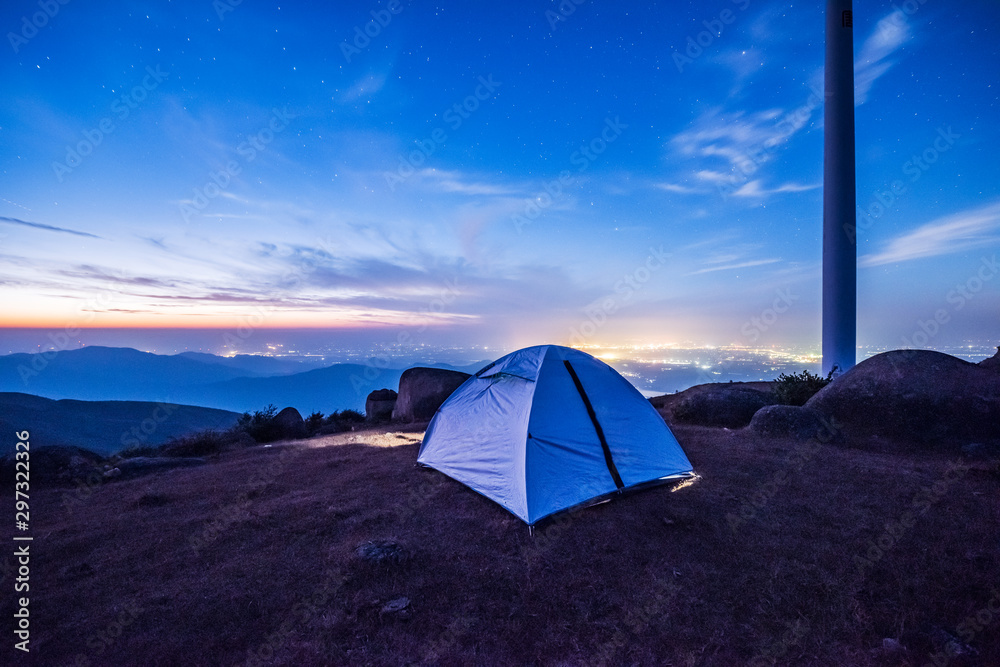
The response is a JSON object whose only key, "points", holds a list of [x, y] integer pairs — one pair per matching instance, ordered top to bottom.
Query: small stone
{"points": [[381, 552], [397, 605], [891, 645]]}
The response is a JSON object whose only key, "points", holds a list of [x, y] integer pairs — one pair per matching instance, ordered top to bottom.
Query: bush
{"points": [[798, 388], [351, 417], [339, 421], [314, 422], [261, 425], [204, 443]]}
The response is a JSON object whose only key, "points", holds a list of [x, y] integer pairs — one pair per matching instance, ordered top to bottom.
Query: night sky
{"points": [[514, 173]]}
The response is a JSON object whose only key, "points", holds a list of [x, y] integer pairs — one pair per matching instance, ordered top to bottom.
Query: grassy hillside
{"points": [[104, 427], [785, 552]]}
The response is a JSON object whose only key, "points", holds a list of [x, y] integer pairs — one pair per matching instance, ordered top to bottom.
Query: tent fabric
{"points": [[547, 428]]}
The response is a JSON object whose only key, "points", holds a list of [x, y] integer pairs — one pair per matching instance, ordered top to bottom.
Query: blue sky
{"points": [[509, 172]]}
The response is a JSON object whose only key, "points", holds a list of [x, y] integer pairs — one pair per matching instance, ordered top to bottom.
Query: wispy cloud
{"points": [[875, 57], [364, 87], [459, 183], [679, 189], [754, 189], [50, 228], [943, 236], [734, 266]]}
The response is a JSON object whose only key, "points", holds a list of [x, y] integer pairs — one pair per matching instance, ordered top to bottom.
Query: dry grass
{"points": [[252, 559]]}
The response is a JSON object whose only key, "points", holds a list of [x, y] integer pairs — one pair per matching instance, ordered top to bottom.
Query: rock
{"points": [[992, 363], [423, 390], [915, 395], [379, 405], [720, 405], [789, 421], [290, 423], [978, 450], [59, 465], [146, 465], [381, 553], [399, 607], [890, 645], [950, 645]]}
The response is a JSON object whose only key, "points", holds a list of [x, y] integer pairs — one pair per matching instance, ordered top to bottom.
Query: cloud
{"points": [[875, 57], [364, 87], [745, 140], [459, 183], [679, 189], [753, 189], [38, 225], [943, 236], [732, 267]]}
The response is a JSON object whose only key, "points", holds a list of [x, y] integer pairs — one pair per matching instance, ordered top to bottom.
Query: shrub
{"points": [[797, 388], [351, 417], [342, 420], [314, 422], [261, 425], [204, 443], [139, 450]]}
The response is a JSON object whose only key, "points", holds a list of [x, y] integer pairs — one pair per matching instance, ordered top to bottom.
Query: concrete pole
{"points": [[840, 256]]}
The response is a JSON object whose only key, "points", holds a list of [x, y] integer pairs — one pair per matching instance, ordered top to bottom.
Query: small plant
{"points": [[797, 388], [351, 417], [341, 420], [314, 422], [261, 425], [204, 443]]}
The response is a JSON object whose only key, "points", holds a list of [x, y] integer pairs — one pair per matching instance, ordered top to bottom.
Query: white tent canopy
{"points": [[547, 428]]}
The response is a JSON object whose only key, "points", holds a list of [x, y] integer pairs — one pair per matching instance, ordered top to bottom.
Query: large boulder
{"points": [[992, 363], [423, 390], [917, 395], [379, 405], [731, 406], [791, 421], [289, 424], [57, 465]]}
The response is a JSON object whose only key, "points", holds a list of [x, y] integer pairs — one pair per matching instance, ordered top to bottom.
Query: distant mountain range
{"points": [[241, 383], [103, 427]]}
